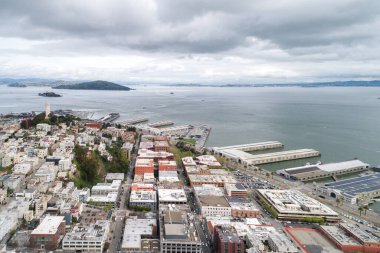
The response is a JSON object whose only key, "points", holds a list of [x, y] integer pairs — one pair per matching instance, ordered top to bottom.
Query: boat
{"points": [[171, 93], [49, 94]]}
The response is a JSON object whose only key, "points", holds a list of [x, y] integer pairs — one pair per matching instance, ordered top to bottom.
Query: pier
{"points": [[109, 118], [134, 121], [161, 123], [253, 146], [239, 153], [281, 156]]}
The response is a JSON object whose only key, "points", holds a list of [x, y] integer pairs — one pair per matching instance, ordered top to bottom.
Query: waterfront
{"points": [[340, 122]]}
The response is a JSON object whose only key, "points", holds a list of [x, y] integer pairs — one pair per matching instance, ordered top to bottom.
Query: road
{"points": [[308, 189], [118, 222], [203, 235]]}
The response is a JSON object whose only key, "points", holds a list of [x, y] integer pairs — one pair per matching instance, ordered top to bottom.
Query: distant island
{"points": [[17, 85], [94, 85], [49, 94]]}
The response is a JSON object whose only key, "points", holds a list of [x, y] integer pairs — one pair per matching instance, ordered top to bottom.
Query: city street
{"points": [[117, 225]]}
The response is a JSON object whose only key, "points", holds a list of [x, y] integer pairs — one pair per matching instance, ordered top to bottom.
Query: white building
{"points": [[43, 127], [22, 168], [47, 172], [114, 176], [168, 176], [105, 188], [172, 196], [143, 199], [135, 229], [89, 238]]}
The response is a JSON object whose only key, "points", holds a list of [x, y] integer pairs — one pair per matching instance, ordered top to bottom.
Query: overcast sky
{"points": [[194, 41]]}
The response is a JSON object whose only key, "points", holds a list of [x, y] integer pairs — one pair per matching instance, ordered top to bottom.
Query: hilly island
{"points": [[94, 85]]}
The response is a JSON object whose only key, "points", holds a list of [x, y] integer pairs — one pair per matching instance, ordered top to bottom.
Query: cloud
{"points": [[195, 41]]}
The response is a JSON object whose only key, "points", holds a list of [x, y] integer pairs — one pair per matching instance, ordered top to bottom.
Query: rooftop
{"points": [[353, 186], [171, 195], [219, 201], [295, 202], [49, 225], [91, 232], [339, 235]]}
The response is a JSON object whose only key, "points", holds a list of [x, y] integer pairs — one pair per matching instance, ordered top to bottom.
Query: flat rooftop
{"points": [[250, 145], [329, 167], [353, 186], [172, 195], [219, 201], [295, 202], [49, 225], [134, 229], [91, 232], [360, 234], [339, 235], [312, 241]]}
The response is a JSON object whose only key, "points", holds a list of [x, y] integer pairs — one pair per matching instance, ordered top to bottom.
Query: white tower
{"points": [[47, 109]]}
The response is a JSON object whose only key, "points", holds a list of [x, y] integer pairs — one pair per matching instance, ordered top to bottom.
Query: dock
{"points": [[109, 118], [134, 121], [161, 123], [253, 146], [239, 153]]}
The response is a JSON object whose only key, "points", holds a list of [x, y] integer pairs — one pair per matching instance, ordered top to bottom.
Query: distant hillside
{"points": [[17, 85], [94, 85]]}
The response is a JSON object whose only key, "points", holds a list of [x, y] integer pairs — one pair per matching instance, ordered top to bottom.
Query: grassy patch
{"points": [[190, 141], [178, 154], [229, 169], [269, 208]]}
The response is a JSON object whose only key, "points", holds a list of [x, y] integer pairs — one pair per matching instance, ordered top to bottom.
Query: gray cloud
{"points": [[265, 39]]}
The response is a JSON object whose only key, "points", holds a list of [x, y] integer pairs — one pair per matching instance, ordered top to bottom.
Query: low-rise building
{"points": [[161, 146], [208, 160], [165, 165], [144, 166], [22, 168], [114, 176], [168, 176], [218, 180], [105, 188], [236, 190], [172, 196], [143, 199], [214, 205], [294, 205], [243, 209], [135, 231], [177, 231], [49, 233], [89, 238], [227, 240], [280, 243]]}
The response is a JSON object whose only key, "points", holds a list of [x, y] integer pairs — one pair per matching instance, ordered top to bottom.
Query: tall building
{"points": [[47, 109]]}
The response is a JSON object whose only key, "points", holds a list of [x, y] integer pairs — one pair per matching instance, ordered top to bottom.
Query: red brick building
{"points": [[166, 165], [144, 166], [49, 233], [227, 240]]}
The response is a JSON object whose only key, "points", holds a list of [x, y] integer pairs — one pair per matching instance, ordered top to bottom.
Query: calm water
{"points": [[342, 123]]}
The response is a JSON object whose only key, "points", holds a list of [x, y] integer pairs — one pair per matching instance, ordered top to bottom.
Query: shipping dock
{"points": [[161, 123]]}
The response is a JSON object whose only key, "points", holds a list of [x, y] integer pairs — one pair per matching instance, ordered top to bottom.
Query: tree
{"points": [[366, 207], [360, 210]]}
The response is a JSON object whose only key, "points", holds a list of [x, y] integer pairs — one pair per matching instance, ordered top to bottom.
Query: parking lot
{"points": [[250, 182], [92, 214]]}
